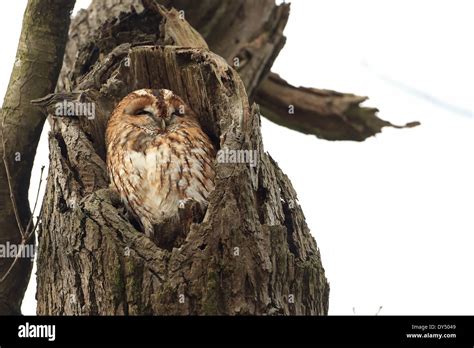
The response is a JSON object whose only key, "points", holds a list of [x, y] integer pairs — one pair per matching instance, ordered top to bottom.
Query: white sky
{"points": [[393, 216]]}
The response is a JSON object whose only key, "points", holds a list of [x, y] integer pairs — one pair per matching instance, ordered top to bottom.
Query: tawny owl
{"points": [[158, 156]]}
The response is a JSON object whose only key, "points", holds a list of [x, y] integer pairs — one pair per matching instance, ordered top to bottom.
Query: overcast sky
{"points": [[392, 216]]}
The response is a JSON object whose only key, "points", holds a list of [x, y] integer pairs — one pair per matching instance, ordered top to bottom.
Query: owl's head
{"points": [[153, 109]]}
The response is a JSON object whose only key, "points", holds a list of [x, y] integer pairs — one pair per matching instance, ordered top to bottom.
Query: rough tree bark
{"points": [[37, 65], [251, 254]]}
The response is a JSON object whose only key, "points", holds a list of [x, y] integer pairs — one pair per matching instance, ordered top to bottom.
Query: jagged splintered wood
{"points": [[327, 114], [253, 252]]}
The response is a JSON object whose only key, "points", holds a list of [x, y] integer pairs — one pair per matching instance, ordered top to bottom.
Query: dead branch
{"points": [[327, 114]]}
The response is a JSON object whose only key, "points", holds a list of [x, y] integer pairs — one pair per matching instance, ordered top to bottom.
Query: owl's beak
{"points": [[163, 123]]}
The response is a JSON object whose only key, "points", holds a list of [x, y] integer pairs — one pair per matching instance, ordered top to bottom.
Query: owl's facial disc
{"points": [[160, 109]]}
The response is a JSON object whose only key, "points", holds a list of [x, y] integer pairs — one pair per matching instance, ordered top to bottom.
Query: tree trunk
{"points": [[37, 65], [251, 254]]}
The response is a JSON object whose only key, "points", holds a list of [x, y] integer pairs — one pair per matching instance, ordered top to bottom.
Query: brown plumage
{"points": [[158, 157]]}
